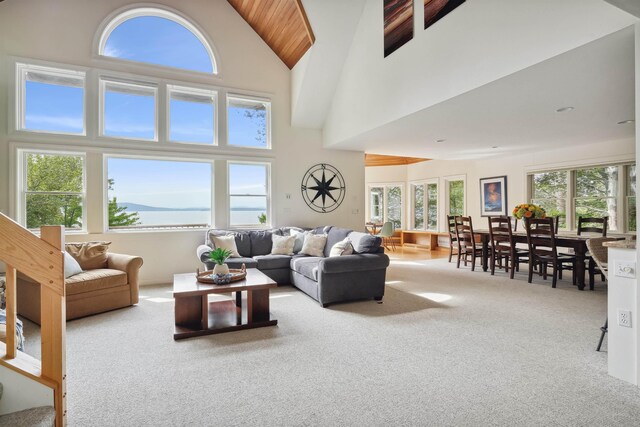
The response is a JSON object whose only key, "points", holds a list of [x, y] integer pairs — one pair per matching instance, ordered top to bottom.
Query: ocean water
{"points": [[195, 217]]}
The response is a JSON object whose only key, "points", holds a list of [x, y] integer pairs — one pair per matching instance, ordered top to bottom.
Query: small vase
{"points": [[221, 269]]}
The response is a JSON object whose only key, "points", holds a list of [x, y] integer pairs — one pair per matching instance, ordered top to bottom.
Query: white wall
{"points": [[63, 31], [500, 37], [514, 167], [20, 392]]}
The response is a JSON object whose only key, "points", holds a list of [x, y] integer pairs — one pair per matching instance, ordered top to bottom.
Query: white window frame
{"points": [[126, 13], [22, 69], [143, 86], [196, 92], [258, 100], [447, 180], [22, 185], [268, 195], [411, 201], [385, 206], [152, 228]]}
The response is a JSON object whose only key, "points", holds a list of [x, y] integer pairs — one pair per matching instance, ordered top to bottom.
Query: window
{"points": [[159, 37], [50, 100], [128, 110], [192, 115], [249, 122], [53, 190], [549, 191], [594, 191], [455, 192], [158, 194], [248, 194], [597, 194], [631, 198], [385, 204], [425, 206]]}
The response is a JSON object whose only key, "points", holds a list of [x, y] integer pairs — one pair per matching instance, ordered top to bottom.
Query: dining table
{"points": [[372, 227], [563, 240]]}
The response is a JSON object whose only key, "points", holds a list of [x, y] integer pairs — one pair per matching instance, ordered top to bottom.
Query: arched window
{"points": [[159, 37]]}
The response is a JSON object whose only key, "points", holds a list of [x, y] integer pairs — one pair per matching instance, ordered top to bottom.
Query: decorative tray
{"points": [[221, 279]]}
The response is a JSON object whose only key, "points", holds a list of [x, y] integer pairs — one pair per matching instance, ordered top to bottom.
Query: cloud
{"points": [[114, 52], [52, 122]]}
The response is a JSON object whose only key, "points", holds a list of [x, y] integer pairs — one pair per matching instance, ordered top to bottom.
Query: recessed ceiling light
{"points": [[564, 109], [626, 122], [440, 141], [494, 146]]}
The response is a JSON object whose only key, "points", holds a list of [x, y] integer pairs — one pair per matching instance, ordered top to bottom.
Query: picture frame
{"points": [[493, 196]]}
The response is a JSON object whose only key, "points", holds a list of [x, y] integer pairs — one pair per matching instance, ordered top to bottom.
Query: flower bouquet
{"points": [[528, 210]]}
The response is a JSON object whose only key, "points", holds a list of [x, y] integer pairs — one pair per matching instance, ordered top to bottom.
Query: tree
{"points": [[259, 114], [54, 190], [118, 217]]}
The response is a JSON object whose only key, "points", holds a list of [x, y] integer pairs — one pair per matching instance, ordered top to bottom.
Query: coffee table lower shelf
{"points": [[221, 317]]}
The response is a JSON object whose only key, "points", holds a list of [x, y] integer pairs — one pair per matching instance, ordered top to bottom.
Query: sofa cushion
{"points": [[334, 236], [226, 242], [261, 242], [364, 243], [314, 244], [343, 247], [90, 255], [237, 262], [269, 262], [71, 266], [307, 266], [93, 280]]}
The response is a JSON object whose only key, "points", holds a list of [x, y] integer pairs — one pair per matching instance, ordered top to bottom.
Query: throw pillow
{"points": [[299, 235], [226, 242], [364, 243], [314, 244], [282, 245], [343, 247], [90, 255], [71, 266]]}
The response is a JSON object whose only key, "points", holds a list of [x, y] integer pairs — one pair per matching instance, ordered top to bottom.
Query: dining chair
{"points": [[597, 227], [386, 232], [453, 238], [541, 239], [503, 245], [467, 246], [600, 256]]}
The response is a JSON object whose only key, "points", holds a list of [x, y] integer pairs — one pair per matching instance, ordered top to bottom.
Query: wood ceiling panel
{"points": [[282, 24], [380, 160]]}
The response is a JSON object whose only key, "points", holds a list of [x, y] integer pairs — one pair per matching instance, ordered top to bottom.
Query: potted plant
{"points": [[262, 218], [219, 256]]}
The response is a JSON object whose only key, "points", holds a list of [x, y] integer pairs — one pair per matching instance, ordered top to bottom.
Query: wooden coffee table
{"points": [[196, 316]]}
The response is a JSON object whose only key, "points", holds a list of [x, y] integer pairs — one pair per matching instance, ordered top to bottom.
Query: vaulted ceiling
{"points": [[282, 24]]}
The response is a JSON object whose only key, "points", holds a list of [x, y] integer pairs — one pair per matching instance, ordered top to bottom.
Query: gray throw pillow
{"points": [[365, 243], [71, 266]]}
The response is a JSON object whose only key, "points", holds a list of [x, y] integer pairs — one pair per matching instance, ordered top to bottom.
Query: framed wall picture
{"points": [[435, 10], [398, 24], [493, 196]]}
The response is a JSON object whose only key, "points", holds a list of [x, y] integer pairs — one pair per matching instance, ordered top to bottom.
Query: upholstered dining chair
{"points": [[453, 238], [541, 238], [467, 246], [600, 256]]}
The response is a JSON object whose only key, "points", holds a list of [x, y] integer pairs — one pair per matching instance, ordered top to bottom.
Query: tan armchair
{"points": [[90, 292]]}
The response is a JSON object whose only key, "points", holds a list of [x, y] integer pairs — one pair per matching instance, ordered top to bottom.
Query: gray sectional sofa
{"points": [[325, 279]]}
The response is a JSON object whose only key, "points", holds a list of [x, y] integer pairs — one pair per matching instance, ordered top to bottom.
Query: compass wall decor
{"points": [[323, 188]]}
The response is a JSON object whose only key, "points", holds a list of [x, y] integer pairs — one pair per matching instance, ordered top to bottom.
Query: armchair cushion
{"points": [[90, 255], [94, 280]]}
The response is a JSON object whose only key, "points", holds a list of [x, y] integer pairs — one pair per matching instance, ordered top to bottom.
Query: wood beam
{"points": [[381, 160]]}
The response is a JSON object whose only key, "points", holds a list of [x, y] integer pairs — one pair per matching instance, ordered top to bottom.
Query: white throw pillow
{"points": [[299, 235], [226, 242], [314, 244], [282, 245], [343, 247], [71, 266]]}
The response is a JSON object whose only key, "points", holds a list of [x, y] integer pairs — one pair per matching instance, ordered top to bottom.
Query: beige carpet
{"points": [[447, 347]]}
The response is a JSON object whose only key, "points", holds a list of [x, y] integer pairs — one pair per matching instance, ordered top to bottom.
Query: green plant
{"points": [[262, 218], [219, 255]]}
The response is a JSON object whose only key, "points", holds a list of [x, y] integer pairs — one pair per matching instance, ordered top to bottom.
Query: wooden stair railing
{"points": [[42, 259]]}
